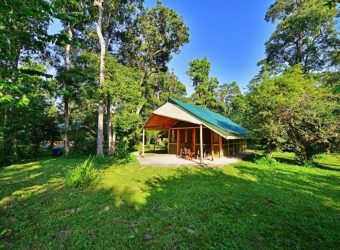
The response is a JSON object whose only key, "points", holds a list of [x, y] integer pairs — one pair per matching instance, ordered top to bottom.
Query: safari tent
{"points": [[198, 129]]}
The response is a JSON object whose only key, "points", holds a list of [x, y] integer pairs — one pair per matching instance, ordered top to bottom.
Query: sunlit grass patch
{"points": [[243, 205]]}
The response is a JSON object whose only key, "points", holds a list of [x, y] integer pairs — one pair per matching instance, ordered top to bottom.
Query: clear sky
{"points": [[230, 33]]}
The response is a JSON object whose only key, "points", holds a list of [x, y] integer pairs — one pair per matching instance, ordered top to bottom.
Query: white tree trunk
{"points": [[66, 98], [66, 124], [100, 134], [110, 140]]}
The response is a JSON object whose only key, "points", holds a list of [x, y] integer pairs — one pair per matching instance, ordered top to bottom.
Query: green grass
{"points": [[243, 206]]}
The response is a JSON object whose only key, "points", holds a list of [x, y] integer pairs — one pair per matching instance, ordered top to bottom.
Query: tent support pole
{"points": [[168, 141], [143, 142], [201, 143]]}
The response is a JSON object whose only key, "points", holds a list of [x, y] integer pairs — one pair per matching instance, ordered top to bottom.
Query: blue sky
{"points": [[230, 33]]}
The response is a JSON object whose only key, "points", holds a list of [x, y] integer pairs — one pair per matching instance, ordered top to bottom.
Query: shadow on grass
{"points": [[157, 151], [327, 166], [333, 166], [237, 207]]}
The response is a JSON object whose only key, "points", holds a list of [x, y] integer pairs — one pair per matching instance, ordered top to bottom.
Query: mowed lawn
{"points": [[243, 206]]}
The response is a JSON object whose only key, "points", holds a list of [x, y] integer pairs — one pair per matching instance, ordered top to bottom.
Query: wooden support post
{"points": [[186, 136], [169, 140], [194, 140], [178, 141], [143, 142], [201, 143], [212, 144], [220, 144], [228, 147]]}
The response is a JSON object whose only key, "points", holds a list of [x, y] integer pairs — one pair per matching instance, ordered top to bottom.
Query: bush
{"points": [[122, 150], [130, 158], [267, 161], [310, 164], [83, 175]]}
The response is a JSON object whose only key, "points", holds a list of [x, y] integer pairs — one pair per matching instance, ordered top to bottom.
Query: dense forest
{"points": [[93, 84]]}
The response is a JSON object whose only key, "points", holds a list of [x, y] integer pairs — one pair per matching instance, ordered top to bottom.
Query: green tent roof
{"points": [[217, 121]]}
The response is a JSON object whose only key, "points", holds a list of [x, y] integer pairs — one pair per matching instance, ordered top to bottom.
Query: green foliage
{"points": [[331, 3], [23, 29], [305, 34], [156, 35], [148, 45], [122, 85], [205, 86], [159, 87], [232, 103], [293, 112], [30, 120], [127, 127], [84, 141], [123, 152], [267, 161], [83, 175]]}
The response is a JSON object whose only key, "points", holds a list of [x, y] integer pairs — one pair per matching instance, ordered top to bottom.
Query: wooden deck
{"points": [[170, 160]]}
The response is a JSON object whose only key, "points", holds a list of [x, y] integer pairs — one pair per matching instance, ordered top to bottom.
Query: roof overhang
{"points": [[167, 116], [159, 122]]}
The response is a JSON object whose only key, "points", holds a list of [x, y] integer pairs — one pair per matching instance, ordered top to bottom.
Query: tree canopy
{"points": [[305, 34]]}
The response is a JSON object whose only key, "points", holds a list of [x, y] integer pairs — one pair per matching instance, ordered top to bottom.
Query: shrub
{"points": [[122, 150], [130, 158], [267, 161], [309, 164], [83, 175]]}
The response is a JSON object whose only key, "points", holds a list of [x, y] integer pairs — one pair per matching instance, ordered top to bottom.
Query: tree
{"points": [[331, 3], [73, 18], [111, 19], [305, 34], [23, 36], [150, 42], [205, 86], [122, 87], [159, 87], [225, 95], [232, 103], [292, 112], [27, 125]]}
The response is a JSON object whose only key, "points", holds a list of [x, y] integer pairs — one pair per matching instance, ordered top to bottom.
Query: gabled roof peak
{"points": [[216, 120]]}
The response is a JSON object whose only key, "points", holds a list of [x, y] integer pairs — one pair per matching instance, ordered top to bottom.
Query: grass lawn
{"points": [[245, 205]]}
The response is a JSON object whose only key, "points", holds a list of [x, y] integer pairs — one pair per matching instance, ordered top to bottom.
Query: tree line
{"points": [[95, 82]]}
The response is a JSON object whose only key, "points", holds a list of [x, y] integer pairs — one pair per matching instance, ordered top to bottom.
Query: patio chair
{"points": [[191, 155]]}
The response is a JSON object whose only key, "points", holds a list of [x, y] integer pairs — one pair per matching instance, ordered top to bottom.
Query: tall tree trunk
{"points": [[66, 98], [66, 124], [100, 134], [7, 140], [113, 141], [110, 145]]}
